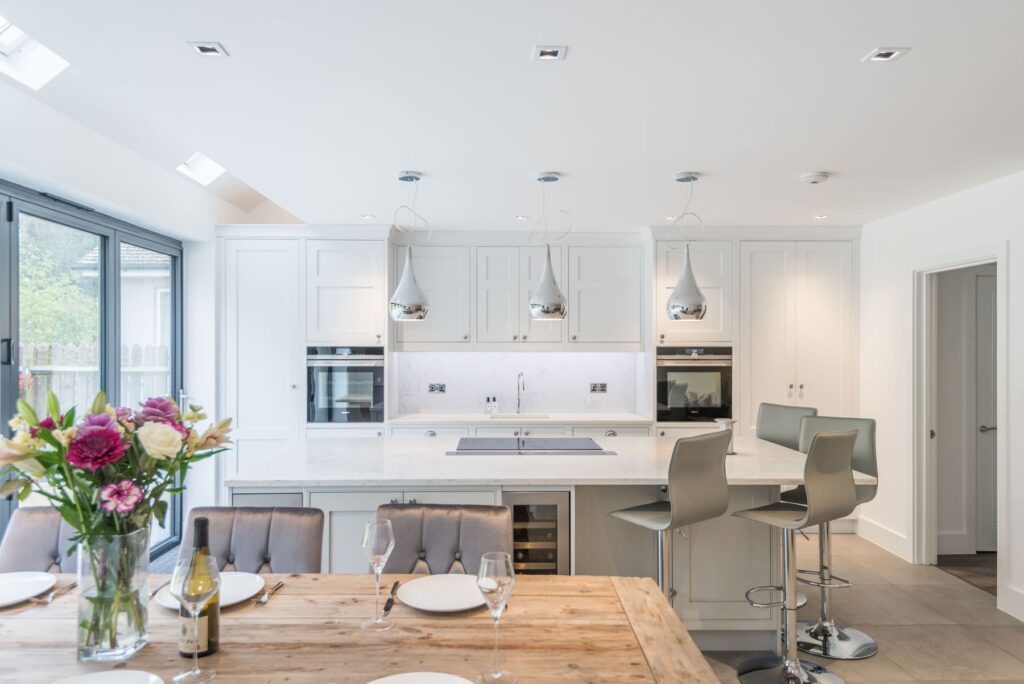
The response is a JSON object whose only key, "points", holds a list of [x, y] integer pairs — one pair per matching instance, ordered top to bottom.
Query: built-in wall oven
{"points": [[694, 383], [345, 384], [540, 532]]}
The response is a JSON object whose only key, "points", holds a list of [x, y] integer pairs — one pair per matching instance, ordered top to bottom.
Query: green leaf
{"points": [[99, 404], [53, 406], [27, 413], [69, 418], [48, 437], [12, 486], [24, 493]]}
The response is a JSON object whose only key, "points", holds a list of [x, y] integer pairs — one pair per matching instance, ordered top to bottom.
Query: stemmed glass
{"points": [[378, 543], [495, 581], [194, 582]]}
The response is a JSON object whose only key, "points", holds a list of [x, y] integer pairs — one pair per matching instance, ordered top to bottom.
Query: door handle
{"points": [[5, 352], [986, 428]]}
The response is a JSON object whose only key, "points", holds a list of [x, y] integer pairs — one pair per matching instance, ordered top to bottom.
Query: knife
{"points": [[390, 603]]}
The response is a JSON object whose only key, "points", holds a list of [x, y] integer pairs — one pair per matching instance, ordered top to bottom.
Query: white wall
{"points": [[989, 215], [555, 381]]}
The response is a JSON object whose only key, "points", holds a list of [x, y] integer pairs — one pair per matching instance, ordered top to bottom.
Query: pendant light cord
{"points": [[410, 206], [686, 212], [544, 218]]}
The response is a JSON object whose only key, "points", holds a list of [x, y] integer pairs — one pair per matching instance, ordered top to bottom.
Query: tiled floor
{"points": [[978, 569], [930, 626]]}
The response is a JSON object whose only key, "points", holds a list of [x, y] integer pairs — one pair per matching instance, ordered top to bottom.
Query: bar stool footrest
{"points": [[835, 582], [767, 587]]}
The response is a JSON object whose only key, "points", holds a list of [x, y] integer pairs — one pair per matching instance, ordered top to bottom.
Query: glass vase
{"points": [[113, 597]]}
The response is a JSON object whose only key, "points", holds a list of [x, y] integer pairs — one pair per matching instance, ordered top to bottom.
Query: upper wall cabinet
{"points": [[712, 266], [444, 274], [505, 280], [345, 300], [605, 300]]}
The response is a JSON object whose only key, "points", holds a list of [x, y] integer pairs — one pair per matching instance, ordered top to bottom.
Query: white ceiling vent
{"points": [[208, 48], [548, 53], [885, 54]]}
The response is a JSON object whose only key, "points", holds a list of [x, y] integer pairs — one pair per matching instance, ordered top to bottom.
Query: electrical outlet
{"points": [[437, 388], [598, 388]]}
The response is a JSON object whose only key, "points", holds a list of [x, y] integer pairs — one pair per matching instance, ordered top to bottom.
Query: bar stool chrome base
{"points": [[838, 642], [805, 673]]}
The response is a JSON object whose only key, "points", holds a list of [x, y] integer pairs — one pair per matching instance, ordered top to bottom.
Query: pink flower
{"points": [[158, 410], [123, 413], [99, 420], [46, 423], [95, 446], [120, 497]]}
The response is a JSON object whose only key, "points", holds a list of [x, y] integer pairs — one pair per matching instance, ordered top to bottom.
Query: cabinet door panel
{"points": [[712, 266], [531, 267], [443, 273], [345, 292], [497, 292], [604, 294], [824, 327], [766, 328], [545, 430], [499, 431], [430, 432], [610, 432], [452, 498], [345, 517]]}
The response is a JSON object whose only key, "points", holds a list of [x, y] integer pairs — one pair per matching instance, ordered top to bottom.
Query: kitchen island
{"points": [[713, 564]]}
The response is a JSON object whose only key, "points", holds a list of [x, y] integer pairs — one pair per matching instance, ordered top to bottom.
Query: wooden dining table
{"points": [[557, 629]]}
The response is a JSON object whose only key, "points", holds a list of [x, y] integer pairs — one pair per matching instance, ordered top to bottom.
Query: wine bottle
{"points": [[209, 617]]}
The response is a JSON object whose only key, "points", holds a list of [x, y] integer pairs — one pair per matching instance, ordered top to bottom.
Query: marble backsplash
{"points": [[556, 382]]}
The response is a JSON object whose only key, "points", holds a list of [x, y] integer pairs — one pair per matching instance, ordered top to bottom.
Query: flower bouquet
{"points": [[107, 473]]}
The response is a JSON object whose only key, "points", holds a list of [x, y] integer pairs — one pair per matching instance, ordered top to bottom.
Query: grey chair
{"points": [[781, 424], [697, 491], [830, 495], [435, 539], [37, 540], [261, 540], [824, 636]]}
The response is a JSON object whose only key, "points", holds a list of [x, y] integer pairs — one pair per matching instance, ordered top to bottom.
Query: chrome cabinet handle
{"points": [[662, 336], [378, 337], [465, 337], [515, 337], [574, 337], [524, 338], [790, 385], [801, 386], [986, 428], [379, 433], [430, 433], [516, 433], [526, 433], [611, 433], [661, 434], [392, 501], [412, 501]]}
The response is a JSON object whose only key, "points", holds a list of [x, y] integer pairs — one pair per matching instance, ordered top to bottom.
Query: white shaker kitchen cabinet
{"points": [[712, 265], [531, 266], [443, 273], [497, 294], [345, 300], [605, 301], [262, 351], [523, 431], [430, 432], [599, 432], [483, 497], [345, 518]]}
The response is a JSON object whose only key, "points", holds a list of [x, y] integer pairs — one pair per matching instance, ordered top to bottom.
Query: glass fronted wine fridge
{"points": [[540, 532]]}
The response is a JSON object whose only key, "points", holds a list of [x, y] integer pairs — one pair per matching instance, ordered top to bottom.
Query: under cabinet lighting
{"points": [[25, 59], [201, 169]]}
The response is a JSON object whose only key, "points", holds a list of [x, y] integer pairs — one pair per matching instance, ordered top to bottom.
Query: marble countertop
{"points": [[528, 418], [420, 461]]}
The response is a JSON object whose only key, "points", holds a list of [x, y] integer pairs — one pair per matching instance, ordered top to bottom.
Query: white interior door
{"points": [[985, 400]]}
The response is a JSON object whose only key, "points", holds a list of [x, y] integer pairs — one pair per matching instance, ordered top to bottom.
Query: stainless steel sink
{"points": [[518, 416]]}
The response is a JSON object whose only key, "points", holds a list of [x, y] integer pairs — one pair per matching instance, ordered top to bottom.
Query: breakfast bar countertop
{"points": [[421, 461]]}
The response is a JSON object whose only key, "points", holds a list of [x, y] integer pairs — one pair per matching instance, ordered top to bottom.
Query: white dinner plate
{"points": [[16, 587], [235, 587], [442, 593], [114, 677], [421, 678]]}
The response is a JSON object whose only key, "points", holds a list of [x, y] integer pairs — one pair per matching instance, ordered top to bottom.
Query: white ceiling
{"points": [[322, 102]]}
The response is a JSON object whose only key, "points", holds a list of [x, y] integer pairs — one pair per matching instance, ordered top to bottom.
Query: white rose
{"points": [[160, 440]]}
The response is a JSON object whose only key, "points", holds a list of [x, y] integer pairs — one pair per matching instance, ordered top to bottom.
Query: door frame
{"points": [[925, 471]]}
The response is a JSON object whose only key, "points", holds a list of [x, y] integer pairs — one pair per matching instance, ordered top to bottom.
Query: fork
{"points": [[48, 599], [262, 600]]}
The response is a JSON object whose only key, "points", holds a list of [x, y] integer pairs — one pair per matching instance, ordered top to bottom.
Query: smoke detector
{"points": [[548, 176], [814, 177]]}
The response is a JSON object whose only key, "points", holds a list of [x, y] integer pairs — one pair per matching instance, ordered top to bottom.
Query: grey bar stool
{"points": [[781, 424], [828, 478], [697, 490], [824, 636]]}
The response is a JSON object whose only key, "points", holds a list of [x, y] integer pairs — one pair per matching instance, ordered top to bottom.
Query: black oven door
{"points": [[690, 391], [345, 392]]}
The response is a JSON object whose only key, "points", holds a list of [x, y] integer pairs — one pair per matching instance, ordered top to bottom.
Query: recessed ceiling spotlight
{"points": [[208, 48], [549, 52], [885, 54], [201, 168], [814, 177], [821, 216], [368, 217], [521, 217], [670, 218]]}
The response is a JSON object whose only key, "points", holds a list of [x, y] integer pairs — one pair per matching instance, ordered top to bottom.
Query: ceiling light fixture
{"points": [[208, 48], [549, 53], [885, 54], [25, 59], [201, 168], [814, 177], [821, 216], [368, 217], [521, 217], [670, 218], [687, 301], [409, 302], [547, 303]]}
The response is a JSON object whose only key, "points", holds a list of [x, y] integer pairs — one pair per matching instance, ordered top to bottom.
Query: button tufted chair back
{"points": [[261, 539], [437, 539], [37, 540]]}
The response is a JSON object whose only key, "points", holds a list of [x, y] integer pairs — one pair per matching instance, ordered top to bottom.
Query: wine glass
{"points": [[378, 543], [495, 580], [194, 583]]}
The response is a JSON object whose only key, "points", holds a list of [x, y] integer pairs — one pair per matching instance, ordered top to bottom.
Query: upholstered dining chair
{"points": [[434, 539], [37, 540], [261, 540]]}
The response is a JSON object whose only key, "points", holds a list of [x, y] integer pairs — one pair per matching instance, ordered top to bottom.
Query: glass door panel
{"points": [[147, 324]]}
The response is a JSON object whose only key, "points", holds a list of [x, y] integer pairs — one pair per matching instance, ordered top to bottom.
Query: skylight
{"points": [[25, 59], [201, 168]]}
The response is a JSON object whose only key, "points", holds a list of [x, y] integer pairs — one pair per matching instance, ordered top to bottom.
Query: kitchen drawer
{"points": [[523, 431], [607, 431], [430, 432], [680, 432], [344, 433], [453, 498], [268, 499]]}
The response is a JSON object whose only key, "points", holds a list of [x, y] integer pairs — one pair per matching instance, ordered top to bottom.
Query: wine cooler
{"points": [[540, 532]]}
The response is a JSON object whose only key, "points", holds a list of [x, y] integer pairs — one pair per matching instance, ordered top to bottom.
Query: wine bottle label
{"points": [[187, 640]]}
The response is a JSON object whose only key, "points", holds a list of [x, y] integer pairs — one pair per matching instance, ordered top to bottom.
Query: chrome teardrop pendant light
{"points": [[687, 301], [409, 302], [547, 303]]}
